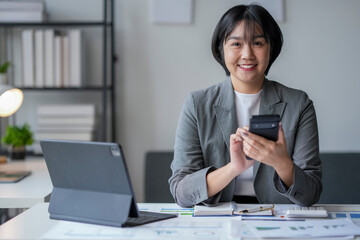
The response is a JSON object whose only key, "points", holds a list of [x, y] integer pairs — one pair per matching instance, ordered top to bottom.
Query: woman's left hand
{"points": [[270, 153]]}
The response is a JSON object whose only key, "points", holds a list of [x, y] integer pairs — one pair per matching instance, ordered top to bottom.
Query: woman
{"points": [[212, 137]]}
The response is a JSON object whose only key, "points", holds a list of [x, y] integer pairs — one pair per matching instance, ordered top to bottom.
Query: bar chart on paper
{"points": [[180, 228]]}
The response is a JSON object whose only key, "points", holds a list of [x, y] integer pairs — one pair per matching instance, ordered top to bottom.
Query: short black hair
{"points": [[254, 16]]}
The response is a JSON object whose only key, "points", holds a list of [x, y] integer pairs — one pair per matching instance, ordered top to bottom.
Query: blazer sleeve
{"points": [[188, 181], [307, 185]]}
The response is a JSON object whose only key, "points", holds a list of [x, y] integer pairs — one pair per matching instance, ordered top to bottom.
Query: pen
{"points": [[257, 209]]}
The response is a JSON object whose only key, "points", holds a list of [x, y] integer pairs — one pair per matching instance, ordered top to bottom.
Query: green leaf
{"points": [[4, 67], [18, 136]]}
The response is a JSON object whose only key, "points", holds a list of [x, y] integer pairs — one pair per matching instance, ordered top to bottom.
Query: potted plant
{"points": [[3, 72], [17, 138]]}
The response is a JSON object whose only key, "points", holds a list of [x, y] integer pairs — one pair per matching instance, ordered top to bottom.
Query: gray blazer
{"points": [[207, 120]]}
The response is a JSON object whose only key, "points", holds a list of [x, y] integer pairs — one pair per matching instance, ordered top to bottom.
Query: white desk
{"points": [[29, 191], [35, 224]]}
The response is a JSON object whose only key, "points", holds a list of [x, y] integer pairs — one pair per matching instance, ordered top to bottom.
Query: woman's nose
{"points": [[247, 52]]}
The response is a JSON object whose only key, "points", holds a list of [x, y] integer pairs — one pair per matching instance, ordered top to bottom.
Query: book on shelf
{"points": [[22, 5], [22, 11], [21, 16], [27, 39], [15, 44], [39, 58], [49, 58], [52, 58], [75, 58], [58, 60], [66, 61], [66, 110], [66, 121], [65, 128], [64, 132], [79, 136], [232, 208]]}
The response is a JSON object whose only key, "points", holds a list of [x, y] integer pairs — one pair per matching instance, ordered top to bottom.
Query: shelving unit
{"points": [[107, 89]]}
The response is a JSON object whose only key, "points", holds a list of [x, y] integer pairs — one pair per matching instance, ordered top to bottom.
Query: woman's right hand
{"points": [[238, 159], [217, 180]]}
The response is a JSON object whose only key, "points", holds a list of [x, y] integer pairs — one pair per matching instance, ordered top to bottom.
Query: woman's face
{"points": [[246, 61]]}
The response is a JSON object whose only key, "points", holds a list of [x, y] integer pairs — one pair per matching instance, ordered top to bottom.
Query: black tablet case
{"points": [[91, 182]]}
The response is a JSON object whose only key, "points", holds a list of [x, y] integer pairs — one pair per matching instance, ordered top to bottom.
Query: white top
{"points": [[246, 106]]}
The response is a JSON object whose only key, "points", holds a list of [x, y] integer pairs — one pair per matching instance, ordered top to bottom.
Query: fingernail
{"points": [[244, 134]]}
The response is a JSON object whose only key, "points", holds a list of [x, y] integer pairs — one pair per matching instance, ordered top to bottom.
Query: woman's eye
{"points": [[258, 43], [235, 44]]}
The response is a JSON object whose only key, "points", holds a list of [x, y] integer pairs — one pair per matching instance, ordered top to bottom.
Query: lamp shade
{"points": [[10, 100]]}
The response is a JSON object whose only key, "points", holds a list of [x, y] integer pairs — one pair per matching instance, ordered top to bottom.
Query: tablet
{"points": [[13, 176], [92, 184]]}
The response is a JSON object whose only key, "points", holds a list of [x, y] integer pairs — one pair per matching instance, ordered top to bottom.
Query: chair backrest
{"points": [[157, 174], [341, 178]]}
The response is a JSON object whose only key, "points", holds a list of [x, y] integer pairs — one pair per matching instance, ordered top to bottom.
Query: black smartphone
{"points": [[266, 126]]}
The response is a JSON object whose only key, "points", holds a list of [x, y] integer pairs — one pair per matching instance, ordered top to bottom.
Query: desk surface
{"points": [[30, 190], [35, 224]]}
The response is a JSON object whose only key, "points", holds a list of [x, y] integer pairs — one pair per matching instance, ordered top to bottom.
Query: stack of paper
{"points": [[21, 11], [65, 122]]}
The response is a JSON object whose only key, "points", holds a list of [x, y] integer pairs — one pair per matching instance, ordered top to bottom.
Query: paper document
{"points": [[180, 228], [303, 229]]}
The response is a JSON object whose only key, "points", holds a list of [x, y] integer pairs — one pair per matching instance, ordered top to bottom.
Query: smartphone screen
{"points": [[266, 126]]}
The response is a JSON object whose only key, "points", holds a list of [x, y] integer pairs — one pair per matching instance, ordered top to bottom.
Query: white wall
{"points": [[160, 64]]}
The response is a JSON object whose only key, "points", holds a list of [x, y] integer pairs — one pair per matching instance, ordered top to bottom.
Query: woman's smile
{"points": [[246, 58], [247, 67]]}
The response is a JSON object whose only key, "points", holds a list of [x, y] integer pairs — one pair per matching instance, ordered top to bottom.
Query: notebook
{"points": [[13, 176], [91, 184], [232, 208]]}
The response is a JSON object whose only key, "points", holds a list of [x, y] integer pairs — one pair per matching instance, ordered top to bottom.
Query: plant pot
{"points": [[3, 78], [17, 153]]}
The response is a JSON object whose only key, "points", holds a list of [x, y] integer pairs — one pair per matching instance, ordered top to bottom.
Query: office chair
{"points": [[157, 174], [341, 178]]}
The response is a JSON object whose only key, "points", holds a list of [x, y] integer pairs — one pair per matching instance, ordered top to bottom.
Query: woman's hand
{"points": [[270, 153], [237, 156], [217, 180]]}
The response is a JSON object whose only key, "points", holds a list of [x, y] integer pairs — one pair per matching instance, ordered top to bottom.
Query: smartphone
{"points": [[266, 126]]}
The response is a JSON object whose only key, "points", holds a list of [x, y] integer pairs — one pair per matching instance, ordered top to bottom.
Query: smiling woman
{"points": [[246, 59], [213, 140]]}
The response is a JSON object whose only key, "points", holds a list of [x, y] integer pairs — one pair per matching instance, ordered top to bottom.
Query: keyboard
{"points": [[306, 212], [147, 217]]}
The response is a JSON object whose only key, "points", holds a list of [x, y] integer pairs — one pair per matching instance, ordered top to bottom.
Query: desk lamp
{"points": [[10, 98], [10, 101]]}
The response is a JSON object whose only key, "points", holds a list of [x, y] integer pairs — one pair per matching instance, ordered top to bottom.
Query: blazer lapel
{"points": [[270, 100], [270, 104], [225, 111]]}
